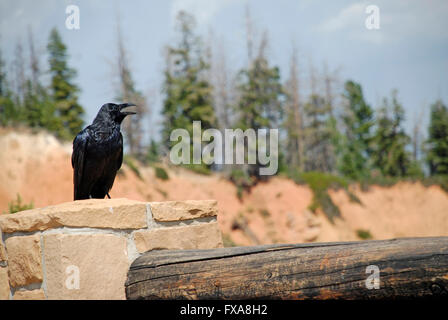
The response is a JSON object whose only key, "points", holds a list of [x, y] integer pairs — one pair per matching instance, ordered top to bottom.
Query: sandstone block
{"points": [[183, 210], [93, 213], [28, 220], [199, 236], [2, 251], [24, 260], [85, 266], [4, 284], [37, 294]]}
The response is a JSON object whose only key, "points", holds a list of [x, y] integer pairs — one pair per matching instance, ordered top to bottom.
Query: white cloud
{"points": [[203, 10], [17, 16], [349, 17], [413, 18], [401, 20], [350, 22]]}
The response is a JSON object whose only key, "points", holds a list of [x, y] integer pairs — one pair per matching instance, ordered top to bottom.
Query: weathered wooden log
{"points": [[377, 269]]}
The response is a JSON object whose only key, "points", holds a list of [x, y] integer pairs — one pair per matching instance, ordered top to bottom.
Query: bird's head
{"points": [[116, 112]]}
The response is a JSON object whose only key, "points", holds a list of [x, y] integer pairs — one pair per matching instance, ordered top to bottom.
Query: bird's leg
{"points": [[107, 194]]}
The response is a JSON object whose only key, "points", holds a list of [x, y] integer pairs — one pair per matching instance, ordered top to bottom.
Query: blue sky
{"points": [[409, 52]]}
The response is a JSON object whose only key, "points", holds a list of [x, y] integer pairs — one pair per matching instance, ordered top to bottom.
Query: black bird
{"points": [[98, 153]]}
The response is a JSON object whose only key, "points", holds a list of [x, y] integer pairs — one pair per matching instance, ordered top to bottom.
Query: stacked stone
{"points": [[83, 249]]}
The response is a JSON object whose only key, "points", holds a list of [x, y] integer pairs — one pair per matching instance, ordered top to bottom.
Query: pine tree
{"points": [[3, 76], [63, 92], [188, 93], [261, 93], [261, 98], [38, 108], [8, 113], [437, 142], [355, 147], [389, 152], [153, 153]]}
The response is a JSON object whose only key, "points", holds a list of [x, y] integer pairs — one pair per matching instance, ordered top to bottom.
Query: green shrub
{"points": [[152, 153], [198, 168], [161, 173], [295, 175], [239, 177], [241, 180], [380, 180], [439, 180], [323, 181], [320, 183], [239, 192], [353, 198], [323, 200], [17, 205], [265, 213], [364, 234]]}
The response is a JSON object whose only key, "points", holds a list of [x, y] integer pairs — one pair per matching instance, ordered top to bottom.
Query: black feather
{"points": [[98, 153]]}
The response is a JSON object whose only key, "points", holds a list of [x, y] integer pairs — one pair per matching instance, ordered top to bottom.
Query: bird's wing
{"points": [[120, 158], [78, 159], [110, 178]]}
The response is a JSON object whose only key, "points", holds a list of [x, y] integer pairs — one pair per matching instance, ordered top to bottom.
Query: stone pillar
{"points": [[83, 249]]}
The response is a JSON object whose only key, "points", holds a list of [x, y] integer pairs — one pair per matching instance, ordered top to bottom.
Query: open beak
{"points": [[124, 108]]}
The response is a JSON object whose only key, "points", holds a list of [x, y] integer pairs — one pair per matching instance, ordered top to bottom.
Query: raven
{"points": [[98, 153]]}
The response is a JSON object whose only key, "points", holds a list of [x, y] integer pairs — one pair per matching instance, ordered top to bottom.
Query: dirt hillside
{"points": [[37, 166]]}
